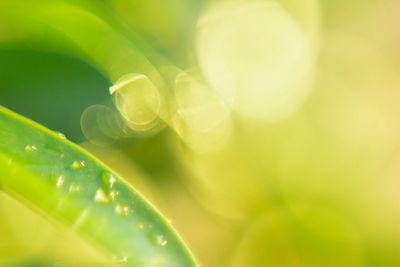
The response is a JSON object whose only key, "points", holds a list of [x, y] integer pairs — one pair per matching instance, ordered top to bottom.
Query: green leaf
{"points": [[63, 182]]}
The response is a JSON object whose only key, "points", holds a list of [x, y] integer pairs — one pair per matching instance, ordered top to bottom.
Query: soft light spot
{"points": [[256, 56], [136, 98], [199, 105], [203, 120], [100, 125], [140, 225]]}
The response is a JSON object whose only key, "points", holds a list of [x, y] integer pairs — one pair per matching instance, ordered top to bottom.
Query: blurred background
{"points": [[268, 131]]}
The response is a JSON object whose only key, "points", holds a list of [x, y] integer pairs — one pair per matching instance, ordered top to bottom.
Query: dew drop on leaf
{"points": [[61, 135], [30, 148], [78, 164], [107, 178], [58, 181], [74, 188], [113, 195], [101, 197], [121, 210], [166, 220], [158, 240], [163, 242]]}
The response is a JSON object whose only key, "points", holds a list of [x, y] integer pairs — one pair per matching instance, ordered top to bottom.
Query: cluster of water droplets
{"points": [[30, 148], [74, 188], [106, 194], [103, 195], [121, 210]]}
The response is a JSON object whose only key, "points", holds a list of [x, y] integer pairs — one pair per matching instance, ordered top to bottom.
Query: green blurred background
{"points": [[268, 131]]}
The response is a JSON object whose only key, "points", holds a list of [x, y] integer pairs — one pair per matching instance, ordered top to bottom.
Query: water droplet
{"points": [[61, 135], [30, 148], [78, 164], [107, 178], [58, 181], [74, 188], [113, 195], [101, 197], [121, 210], [166, 220], [140, 225], [158, 240], [163, 243]]}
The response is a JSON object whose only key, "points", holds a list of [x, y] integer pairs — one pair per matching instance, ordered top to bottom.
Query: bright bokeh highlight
{"points": [[256, 56], [137, 99]]}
